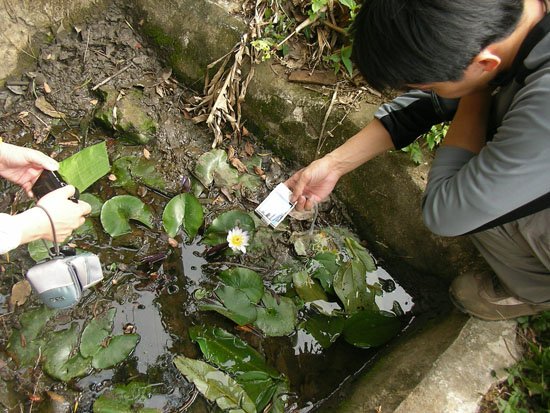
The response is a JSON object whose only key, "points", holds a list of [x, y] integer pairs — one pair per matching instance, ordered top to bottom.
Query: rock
{"points": [[125, 114]]}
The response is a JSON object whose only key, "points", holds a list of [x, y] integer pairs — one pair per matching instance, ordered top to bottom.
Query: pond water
{"points": [[158, 286]]}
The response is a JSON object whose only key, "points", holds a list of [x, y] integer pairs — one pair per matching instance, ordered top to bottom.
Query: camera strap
{"points": [[55, 244]]}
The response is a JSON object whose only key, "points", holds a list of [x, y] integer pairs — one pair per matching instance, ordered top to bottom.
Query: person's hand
{"points": [[23, 166], [313, 184], [66, 214]]}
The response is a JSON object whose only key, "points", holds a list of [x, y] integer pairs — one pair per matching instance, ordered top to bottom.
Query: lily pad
{"points": [[213, 166], [85, 167], [132, 170], [95, 202], [119, 210], [183, 211], [216, 233], [324, 267], [245, 280], [233, 304], [276, 318], [371, 329], [326, 330], [96, 332], [118, 349], [59, 362], [215, 385], [125, 399]]}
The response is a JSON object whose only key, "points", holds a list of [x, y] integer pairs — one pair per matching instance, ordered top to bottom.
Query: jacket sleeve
{"points": [[413, 114], [465, 191], [10, 234]]}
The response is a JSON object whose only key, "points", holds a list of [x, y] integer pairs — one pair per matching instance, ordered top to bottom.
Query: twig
{"points": [[302, 26], [334, 27], [86, 49], [112, 77], [329, 110], [37, 117]]}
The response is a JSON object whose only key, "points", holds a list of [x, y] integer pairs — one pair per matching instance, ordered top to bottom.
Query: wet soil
{"points": [[155, 295]]}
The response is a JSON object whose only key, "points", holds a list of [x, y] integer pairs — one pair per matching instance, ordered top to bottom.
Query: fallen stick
{"points": [[112, 77]]}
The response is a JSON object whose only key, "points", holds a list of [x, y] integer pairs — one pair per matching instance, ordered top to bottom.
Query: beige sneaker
{"points": [[477, 295]]}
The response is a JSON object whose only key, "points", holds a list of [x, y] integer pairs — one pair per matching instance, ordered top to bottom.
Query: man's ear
{"points": [[487, 60]]}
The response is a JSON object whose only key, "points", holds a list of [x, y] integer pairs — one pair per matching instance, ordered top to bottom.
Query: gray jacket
{"points": [[468, 192]]}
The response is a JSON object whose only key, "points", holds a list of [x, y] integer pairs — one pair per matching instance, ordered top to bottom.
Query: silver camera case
{"points": [[59, 282]]}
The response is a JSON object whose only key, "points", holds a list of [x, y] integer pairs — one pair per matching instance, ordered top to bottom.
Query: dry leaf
{"points": [[47, 88], [159, 90], [93, 102], [46, 108], [245, 131], [249, 148], [230, 152], [146, 153], [241, 167], [259, 171], [112, 177], [142, 191], [227, 194], [173, 243], [20, 292]]}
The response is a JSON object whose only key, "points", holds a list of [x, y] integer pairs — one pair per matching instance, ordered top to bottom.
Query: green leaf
{"points": [[213, 166], [85, 167], [132, 170], [95, 202], [119, 210], [182, 211], [216, 233], [38, 249], [360, 253], [325, 266], [246, 281], [350, 285], [307, 288], [234, 304], [276, 319], [371, 329], [326, 330], [96, 332], [24, 344], [119, 348], [229, 353], [59, 362], [215, 385], [259, 386], [123, 399]]}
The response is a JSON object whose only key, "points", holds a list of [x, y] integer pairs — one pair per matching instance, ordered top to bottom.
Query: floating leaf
{"points": [[213, 166], [85, 167], [132, 170], [95, 202], [119, 210], [182, 211], [217, 231], [360, 253], [325, 266], [246, 281], [350, 285], [307, 288], [234, 304], [276, 319], [325, 329], [371, 329], [96, 332], [24, 344], [119, 348], [229, 352], [59, 362], [215, 385], [259, 386], [125, 399]]}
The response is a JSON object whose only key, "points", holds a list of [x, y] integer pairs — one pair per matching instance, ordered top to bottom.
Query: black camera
{"points": [[49, 181]]}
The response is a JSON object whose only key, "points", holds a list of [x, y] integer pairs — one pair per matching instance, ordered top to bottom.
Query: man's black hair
{"points": [[399, 42]]}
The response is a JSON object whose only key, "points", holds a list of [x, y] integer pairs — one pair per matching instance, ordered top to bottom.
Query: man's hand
{"points": [[23, 166], [313, 184]]}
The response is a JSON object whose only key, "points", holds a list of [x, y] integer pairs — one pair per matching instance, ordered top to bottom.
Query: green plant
{"points": [[429, 140], [526, 389]]}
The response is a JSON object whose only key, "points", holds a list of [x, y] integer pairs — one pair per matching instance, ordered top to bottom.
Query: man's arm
{"points": [[467, 189]]}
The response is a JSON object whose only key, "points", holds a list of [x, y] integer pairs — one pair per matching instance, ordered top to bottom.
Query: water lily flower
{"points": [[237, 239]]}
